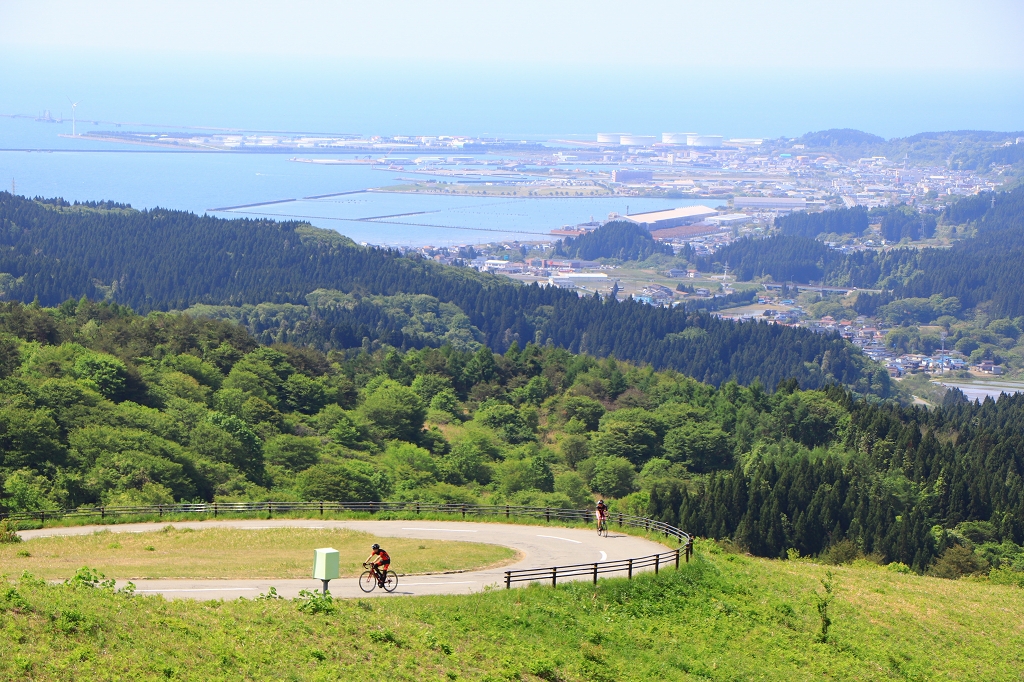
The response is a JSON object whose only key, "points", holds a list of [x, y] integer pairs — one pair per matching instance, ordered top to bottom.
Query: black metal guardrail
{"points": [[627, 566], [553, 573]]}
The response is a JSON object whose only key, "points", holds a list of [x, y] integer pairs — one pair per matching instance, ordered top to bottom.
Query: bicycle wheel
{"points": [[367, 581], [391, 582]]}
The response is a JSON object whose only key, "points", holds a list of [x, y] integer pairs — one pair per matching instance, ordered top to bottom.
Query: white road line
{"points": [[277, 527], [442, 530], [555, 537], [604, 556], [460, 582], [208, 589]]}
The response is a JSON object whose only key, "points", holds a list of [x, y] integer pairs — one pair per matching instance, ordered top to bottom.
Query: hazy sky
{"points": [[757, 68]]}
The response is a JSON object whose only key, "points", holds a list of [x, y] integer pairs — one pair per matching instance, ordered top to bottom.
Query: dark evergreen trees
{"points": [[840, 221], [619, 239], [165, 260]]}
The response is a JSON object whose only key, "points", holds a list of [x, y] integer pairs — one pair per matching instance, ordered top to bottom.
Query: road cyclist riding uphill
{"points": [[602, 518], [378, 574]]}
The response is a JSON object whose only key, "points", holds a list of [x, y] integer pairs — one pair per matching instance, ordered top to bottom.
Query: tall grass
{"points": [[723, 616]]}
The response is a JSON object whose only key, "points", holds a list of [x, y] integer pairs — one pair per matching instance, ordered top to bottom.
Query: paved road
{"points": [[539, 546]]}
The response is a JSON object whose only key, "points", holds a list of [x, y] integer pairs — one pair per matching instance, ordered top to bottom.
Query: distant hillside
{"points": [[840, 137], [957, 149], [619, 239], [166, 260], [981, 272]]}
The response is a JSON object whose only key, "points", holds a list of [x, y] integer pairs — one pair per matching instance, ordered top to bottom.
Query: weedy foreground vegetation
{"points": [[723, 616]]}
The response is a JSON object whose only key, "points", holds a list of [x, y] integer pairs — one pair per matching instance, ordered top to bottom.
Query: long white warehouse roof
{"points": [[672, 213]]}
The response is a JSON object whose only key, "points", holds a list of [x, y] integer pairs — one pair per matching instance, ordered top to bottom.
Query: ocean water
{"points": [[146, 177]]}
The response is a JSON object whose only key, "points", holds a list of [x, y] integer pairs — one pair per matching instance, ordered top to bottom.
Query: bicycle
{"points": [[602, 525], [370, 579]]}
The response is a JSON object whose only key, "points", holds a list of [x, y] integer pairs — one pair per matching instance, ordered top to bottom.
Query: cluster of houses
{"points": [[655, 294], [913, 362]]}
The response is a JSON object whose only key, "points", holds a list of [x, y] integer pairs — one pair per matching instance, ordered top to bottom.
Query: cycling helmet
{"points": [[375, 546]]}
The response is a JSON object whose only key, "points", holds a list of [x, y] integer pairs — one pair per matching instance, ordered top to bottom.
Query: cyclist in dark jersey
{"points": [[602, 512], [382, 560]]}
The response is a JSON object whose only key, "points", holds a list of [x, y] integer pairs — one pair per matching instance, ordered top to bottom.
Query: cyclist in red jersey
{"points": [[602, 512], [382, 560]]}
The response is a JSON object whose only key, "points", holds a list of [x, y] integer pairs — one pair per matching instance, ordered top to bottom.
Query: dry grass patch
{"points": [[236, 553]]}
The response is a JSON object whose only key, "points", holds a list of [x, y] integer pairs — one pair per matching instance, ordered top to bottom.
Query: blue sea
{"points": [[383, 98], [81, 170]]}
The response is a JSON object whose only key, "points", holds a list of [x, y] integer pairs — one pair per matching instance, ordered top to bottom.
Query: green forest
{"points": [[619, 239], [173, 260], [981, 271], [101, 405]]}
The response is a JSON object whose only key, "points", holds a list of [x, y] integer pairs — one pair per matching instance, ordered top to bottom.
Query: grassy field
{"points": [[229, 553], [724, 616]]}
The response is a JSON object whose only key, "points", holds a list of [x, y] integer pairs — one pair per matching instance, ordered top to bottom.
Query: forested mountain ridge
{"points": [[956, 149], [163, 260], [980, 270], [99, 405]]}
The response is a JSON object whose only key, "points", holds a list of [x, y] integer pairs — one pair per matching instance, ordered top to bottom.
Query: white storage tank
{"points": [[609, 138], [675, 138], [638, 140], [704, 140]]}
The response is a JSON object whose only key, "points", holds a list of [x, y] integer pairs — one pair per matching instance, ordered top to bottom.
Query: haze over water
{"points": [[524, 70]]}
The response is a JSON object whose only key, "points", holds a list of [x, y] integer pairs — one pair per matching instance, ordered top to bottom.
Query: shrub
{"points": [[427, 386], [395, 411], [701, 446], [575, 449], [292, 452], [529, 473], [612, 476], [348, 481], [572, 485], [8, 533], [843, 552], [956, 562], [1006, 576], [314, 602]]}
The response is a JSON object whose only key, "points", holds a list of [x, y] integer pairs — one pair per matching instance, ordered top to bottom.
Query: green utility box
{"points": [[325, 563]]}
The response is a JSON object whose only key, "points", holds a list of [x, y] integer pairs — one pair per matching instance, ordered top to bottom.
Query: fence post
{"points": [[160, 508], [321, 508], [417, 508], [214, 509], [270, 510], [463, 511], [506, 511], [103, 512], [547, 514], [42, 517], [620, 519], [677, 559], [657, 560], [595, 573], [630, 574], [554, 576], [508, 580]]}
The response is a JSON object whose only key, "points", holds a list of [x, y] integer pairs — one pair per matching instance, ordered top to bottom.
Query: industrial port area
{"points": [[784, 173]]}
